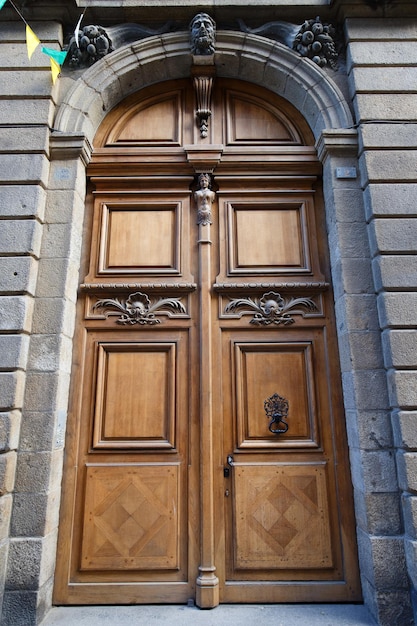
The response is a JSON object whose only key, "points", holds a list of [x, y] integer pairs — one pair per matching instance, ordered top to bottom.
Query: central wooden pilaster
{"points": [[207, 592]]}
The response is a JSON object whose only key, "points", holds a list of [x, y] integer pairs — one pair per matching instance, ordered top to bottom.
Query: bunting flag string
{"points": [[32, 41], [56, 57]]}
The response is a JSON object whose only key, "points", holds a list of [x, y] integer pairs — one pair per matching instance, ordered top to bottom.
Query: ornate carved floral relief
{"points": [[271, 308], [139, 309]]}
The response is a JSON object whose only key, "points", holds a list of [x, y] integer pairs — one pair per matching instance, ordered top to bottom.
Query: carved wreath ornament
{"points": [[271, 308], [138, 309]]}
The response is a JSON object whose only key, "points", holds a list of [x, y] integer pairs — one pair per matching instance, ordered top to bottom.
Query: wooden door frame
{"points": [[331, 143]]}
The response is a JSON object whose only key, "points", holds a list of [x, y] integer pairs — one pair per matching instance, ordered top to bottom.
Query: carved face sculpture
{"points": [[203, 34]]}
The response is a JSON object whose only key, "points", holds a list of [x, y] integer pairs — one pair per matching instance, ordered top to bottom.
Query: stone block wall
{"points": [[382, 68], [27, 105]]}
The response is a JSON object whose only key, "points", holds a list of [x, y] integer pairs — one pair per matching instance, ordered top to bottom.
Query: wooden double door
{"points": [[206, 453]]}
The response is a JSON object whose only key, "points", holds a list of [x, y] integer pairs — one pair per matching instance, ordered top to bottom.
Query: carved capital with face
{"points": [[203, 34]]}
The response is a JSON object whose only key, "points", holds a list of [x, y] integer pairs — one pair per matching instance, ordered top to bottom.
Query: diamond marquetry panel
{"points": [[281, 517], [131, 518]]}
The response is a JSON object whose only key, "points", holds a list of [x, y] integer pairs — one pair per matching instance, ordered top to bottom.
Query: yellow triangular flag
{"points": [[32, 41], [55, 69]]}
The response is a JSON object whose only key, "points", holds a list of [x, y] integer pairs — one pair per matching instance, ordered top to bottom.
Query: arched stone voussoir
{"points": [[238, 55]]}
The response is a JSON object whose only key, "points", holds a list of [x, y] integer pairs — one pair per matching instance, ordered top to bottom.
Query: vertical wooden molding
{"points": [[207, 590]]}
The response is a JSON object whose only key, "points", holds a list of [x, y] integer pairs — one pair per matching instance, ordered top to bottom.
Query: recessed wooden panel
{"points": [[250, 121], [150, 122], [140, 238], [267, 238], [263, 369], [135, 397], [281, 517], [131, 518]]}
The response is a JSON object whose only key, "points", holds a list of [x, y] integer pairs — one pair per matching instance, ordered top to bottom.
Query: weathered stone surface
{"points": [[370, 30], [15, 31], [381, 53], [380, 79], [25, 83], [26, 112], [386, 135], [24, 140], [388, 165], [32, 168], [390, 199], [22, 201], [64, 207], [394, 235], [20, 237], [352, 239], [62, 241], [395, 271], [18, 275], [352, 276], [57, 278], [397, 309], [359, 310], [16, 313], [53, 315], [400, 348], [360, 350], [13, 351], [50, 353], [12, 385], [402, 388], [365, 389], [405, 429], [9, 430], [369, 430], [37, 431], [407, 470], [7, 472], [38, 472], [6, 502], [378, 513], [410, 514], [34, 515], [383, 561], [19, 608]]}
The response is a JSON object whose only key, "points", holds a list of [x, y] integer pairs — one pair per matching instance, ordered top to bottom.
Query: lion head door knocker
{"points": [[276, 409]]}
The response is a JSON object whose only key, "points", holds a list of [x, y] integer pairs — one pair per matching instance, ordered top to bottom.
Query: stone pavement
{"points": [[223, 615]]}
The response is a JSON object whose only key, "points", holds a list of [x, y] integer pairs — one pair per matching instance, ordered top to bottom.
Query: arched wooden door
{"points": [[206, 452]]}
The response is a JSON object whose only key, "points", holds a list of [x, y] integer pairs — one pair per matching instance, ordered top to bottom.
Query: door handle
{"points": [[226, 470]]}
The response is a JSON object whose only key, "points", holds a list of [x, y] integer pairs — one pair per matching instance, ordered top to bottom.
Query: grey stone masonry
{"points": [[385, 102], [27, 104]]}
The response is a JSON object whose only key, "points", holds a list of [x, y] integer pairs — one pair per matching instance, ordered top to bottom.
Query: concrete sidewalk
{"points": [[223, 615]]}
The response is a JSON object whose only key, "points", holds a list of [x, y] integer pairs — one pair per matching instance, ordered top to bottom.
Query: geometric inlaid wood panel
{"points": [[140, 238], [267, 238], [264, 369], [135, 403], [281, 517], [131, 518]]}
